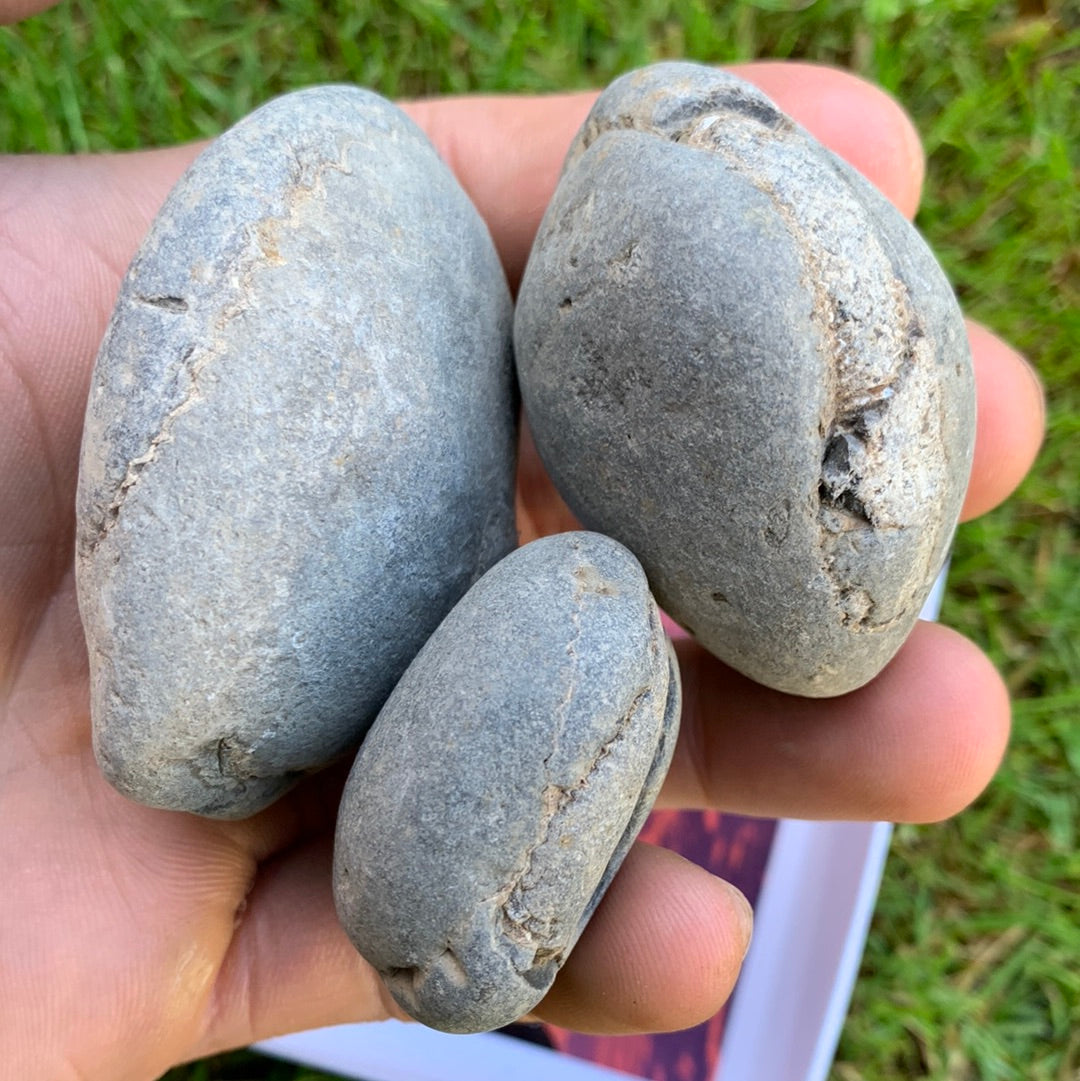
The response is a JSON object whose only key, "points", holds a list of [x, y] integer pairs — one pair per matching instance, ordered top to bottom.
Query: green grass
{"points": [[971, 970], [244, 1066]]}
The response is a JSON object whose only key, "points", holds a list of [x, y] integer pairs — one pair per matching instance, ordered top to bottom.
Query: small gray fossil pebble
{"points": [[738, 359], [298, 451], [504, 780]]}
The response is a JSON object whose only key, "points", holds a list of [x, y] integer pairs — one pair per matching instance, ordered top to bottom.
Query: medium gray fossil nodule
{"points": [[740, 360], [298, 451], [504, 780]]}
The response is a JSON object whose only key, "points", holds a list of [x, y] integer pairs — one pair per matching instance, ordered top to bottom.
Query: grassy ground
{"points": [[971, 969]]}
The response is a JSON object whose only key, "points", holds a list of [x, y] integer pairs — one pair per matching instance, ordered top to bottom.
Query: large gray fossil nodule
{"points": [[740, 360], [298, 451], [504, 781]]}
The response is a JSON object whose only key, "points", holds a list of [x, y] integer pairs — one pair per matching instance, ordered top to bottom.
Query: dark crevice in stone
{"points": [[176, 305]]}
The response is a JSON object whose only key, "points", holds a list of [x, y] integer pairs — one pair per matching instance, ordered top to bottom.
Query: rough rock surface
{"points": [[742, 362], [298, 451], [504, 780]]}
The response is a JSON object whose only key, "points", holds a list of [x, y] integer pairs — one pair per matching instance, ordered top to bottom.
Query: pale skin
{"points": [[133, 939]]}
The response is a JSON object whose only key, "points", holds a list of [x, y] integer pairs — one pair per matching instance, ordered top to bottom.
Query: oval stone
{"points": [[740, 360], [298, 451], [504, 780]]}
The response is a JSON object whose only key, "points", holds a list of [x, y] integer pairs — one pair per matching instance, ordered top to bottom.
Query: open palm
{"points": [[130, 938]]}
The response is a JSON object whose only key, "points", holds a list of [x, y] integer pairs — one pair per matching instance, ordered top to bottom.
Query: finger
{"points": [[12, 11], [507, 152], [1011, 417], [540, 510], [916, 744], [303, 814], [110, 898], [661, 952], [290, 965]]}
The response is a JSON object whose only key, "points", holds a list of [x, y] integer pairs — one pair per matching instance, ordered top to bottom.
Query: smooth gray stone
{"points": [[741, 361], [298, 453], [504, 780]]}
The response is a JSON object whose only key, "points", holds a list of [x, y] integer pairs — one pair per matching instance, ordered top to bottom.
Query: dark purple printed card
{"points": [[736, 849]]}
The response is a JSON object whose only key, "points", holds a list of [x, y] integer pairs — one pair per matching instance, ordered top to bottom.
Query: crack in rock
{"points": [[260, 249], [174, 305], [868, 328], [517, 922]]}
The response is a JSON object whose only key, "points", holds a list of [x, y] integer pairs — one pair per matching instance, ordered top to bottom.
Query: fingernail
{"points": [[1040, 388], [744, 915]]}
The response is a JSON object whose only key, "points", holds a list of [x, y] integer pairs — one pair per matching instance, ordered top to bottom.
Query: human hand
{"points": [[130, 938]]}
